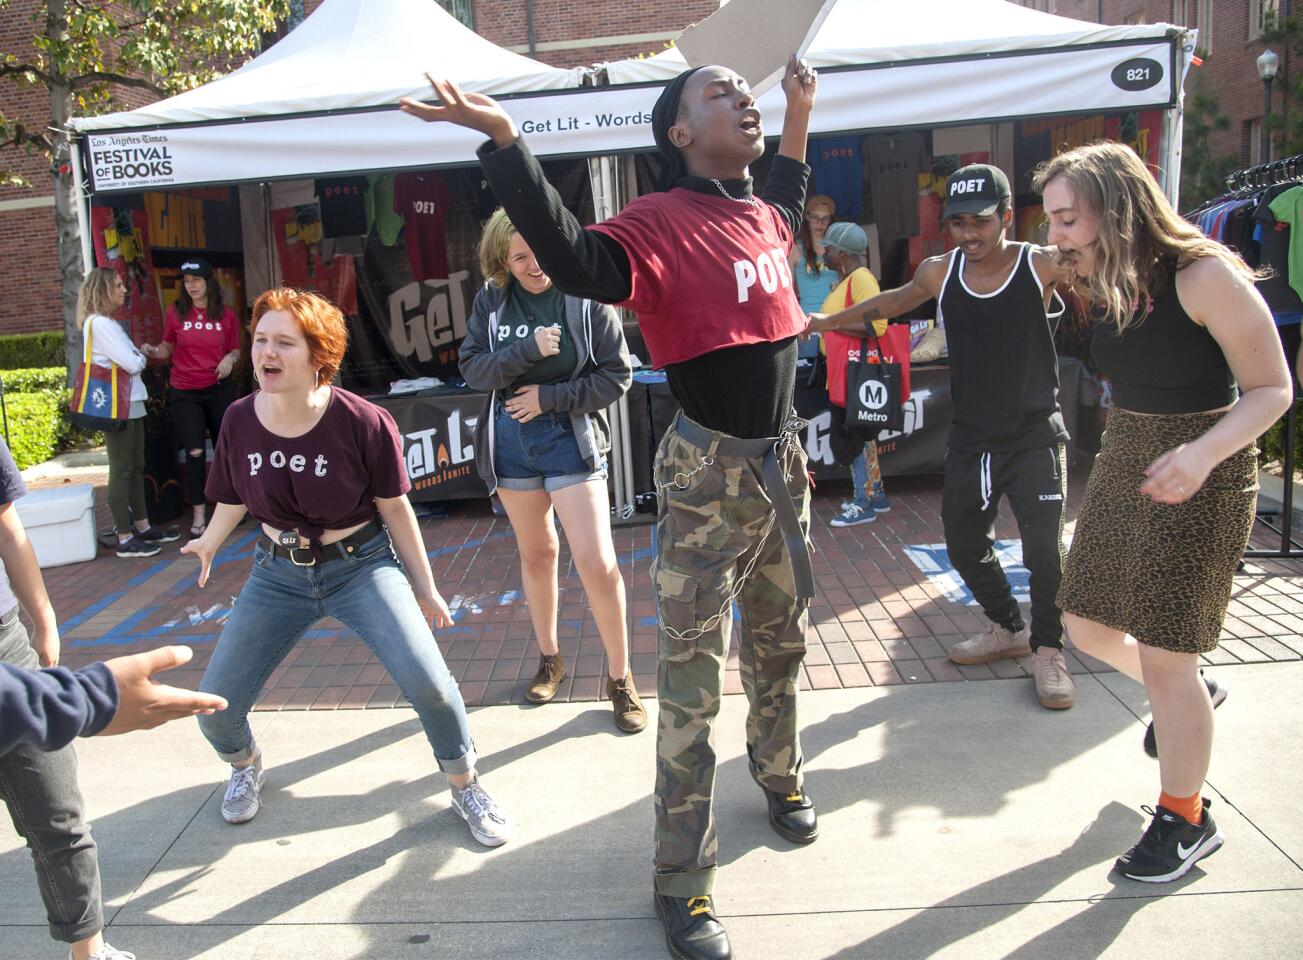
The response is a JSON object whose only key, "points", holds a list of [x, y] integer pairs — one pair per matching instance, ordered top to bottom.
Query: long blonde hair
{"points": [[1141, 239], [96, 294]]}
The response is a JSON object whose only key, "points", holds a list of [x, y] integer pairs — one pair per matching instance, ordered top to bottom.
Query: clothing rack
{"points": [[1245, 183]]}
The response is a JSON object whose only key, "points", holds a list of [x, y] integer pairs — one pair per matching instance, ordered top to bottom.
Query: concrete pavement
{"points": [[958, 820]]}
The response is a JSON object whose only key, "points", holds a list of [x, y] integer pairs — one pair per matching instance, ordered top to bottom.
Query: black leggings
{"points": [[196, 413]]}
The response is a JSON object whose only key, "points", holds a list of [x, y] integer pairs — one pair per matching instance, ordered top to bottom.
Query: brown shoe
{"points": [[993, 643], [551, 671], [1055, 688], [630, 715]]}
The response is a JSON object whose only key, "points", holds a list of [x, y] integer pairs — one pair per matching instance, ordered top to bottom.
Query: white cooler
{"points": [[60, 521]]}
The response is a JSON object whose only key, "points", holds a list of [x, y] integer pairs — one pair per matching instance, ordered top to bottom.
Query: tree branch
{"points": [[6, 69], [107, 76]]}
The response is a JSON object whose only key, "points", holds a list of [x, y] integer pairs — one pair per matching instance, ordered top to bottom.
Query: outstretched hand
{"points": [[799, 83], [472, 110], [205, 551], [143, 702]]}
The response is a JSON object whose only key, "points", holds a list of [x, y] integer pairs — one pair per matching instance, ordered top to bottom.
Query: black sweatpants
{"points": [[194, 414], [1035, 482]]}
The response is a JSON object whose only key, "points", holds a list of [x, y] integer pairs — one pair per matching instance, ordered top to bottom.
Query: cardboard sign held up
{"points": [[754, 37]]}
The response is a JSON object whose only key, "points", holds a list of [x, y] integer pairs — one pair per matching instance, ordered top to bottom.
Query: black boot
{"points": [[791, 814], [692, 930]]}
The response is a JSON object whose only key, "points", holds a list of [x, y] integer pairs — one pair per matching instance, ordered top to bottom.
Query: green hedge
{"points": [[22, 350], [33, 379], [36, 406], [38, 425]]}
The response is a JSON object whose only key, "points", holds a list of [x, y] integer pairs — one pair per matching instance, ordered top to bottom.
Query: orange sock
{"points": [[1189, 807]]}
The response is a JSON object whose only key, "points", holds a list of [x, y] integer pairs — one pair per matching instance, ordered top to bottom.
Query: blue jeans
{"points": [[539, 454], [368, 592]]}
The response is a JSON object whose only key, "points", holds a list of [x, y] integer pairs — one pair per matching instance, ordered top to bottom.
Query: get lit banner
{"points": [[607, 120]]}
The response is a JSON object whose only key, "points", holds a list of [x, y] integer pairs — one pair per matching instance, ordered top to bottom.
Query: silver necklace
{"points": [[749, 200]]}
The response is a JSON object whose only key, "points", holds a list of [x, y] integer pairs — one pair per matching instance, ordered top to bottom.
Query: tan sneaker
{"points": [[993, 643], [551, 671], [1055, 688], [630, 715]]}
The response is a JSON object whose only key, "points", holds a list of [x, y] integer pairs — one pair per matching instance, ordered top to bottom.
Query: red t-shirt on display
{"points": [[423, 201], [708, 272], [198, 345], [327, 479]]}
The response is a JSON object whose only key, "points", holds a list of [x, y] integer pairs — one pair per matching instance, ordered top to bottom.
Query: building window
{"points": [[463, 10], [1262, 16], [1204, 21], [1253, 131]]}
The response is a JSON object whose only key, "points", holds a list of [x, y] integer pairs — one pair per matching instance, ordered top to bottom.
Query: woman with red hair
{"points": [[322, 471]]}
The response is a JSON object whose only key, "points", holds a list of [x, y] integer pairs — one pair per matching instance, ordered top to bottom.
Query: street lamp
{"points": [[1268, 64]]}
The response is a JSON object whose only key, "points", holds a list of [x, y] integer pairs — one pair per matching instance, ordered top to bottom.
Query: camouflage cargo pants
{"points": [[719, 541]]}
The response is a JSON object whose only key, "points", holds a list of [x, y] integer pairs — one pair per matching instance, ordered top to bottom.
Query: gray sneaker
{"points": [[241, 803], [481, 814]]}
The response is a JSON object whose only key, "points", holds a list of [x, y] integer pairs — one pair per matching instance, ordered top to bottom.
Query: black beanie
{"points": [[664, 115]]}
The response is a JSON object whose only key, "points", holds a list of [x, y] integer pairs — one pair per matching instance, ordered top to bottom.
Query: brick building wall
{"points": [[1228, 48]]}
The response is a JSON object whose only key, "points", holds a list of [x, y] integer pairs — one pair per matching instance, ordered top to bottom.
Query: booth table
{"points": [[438, 426]]}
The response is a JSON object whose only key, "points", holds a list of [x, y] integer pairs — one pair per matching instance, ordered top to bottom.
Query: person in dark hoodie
{"points": [[704, 264], [551, 364]]}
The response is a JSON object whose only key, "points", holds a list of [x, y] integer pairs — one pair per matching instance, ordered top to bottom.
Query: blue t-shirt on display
{"points": [[837, 170]]}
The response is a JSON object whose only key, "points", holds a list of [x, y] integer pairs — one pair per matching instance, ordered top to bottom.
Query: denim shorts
{"points": [[540, 454]]}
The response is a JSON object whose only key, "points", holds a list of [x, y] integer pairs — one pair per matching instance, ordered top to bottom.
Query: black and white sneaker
{"points": [[158, 535], [135, 547], [1216, 693], [1171, 846]]}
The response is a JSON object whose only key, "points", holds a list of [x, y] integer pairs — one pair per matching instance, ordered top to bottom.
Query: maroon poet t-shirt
{"points": [[327, 479]]}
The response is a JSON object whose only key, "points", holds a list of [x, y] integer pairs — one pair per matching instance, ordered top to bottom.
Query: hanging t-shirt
{"points": [[894, 163], [837, 170], [424, 203], [343, 207], [1288, 208], [388, 221], [708, 272], [521, 314], [198, 344], [327, 479], [11, 488]]}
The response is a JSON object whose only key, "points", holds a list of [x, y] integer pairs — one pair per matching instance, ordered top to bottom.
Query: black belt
{"points": [[775, 484], [329, 551]]}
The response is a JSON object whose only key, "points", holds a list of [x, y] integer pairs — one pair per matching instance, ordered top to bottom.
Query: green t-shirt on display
{"points": [[1288, 208], [388, 224], [520, 315]]}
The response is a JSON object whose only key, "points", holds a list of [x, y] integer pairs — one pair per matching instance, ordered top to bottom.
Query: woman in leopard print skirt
{"points": [[1197, 375]]}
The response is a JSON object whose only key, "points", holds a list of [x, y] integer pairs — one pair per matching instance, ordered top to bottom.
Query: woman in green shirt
{"points": [[551, 365]]}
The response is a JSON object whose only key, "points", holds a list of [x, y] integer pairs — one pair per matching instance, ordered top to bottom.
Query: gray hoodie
{"points": [[602, 375]]}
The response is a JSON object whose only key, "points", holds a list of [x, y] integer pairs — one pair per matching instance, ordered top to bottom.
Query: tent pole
{"points": [[1173, 125], [82, 201]]}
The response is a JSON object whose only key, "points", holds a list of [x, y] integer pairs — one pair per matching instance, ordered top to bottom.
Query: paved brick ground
{"points": [[877, 618]]}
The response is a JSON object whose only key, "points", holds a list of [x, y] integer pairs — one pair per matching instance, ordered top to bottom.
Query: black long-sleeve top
{"points": [[744, 391]]}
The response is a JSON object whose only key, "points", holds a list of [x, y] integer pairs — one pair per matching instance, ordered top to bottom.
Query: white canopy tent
{"points": [[932, 63], [323, 100]]}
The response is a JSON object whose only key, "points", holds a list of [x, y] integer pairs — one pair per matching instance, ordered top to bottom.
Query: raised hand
{"points": [[799, 83], [472, 110], [143, 702]]}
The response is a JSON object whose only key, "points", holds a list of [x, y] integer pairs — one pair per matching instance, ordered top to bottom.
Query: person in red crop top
{"points": [[704, 263], [201, 336], [1198, 375], [322, 471]]}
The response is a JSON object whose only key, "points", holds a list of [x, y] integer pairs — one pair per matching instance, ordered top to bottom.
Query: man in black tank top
{"points": [[993, 300]]}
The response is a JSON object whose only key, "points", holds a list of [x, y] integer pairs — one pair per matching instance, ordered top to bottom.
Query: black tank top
{"points": [[1165, 363], [1004, 371]]}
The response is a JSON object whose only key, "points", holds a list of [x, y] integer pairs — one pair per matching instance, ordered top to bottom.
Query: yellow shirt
{"points": [[862, 285]]}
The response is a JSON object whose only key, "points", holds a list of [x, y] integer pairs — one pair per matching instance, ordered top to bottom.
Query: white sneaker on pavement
{"points": [[993, 643], [1055, 688], [242, 800], [476, 807], [109, 952]]}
